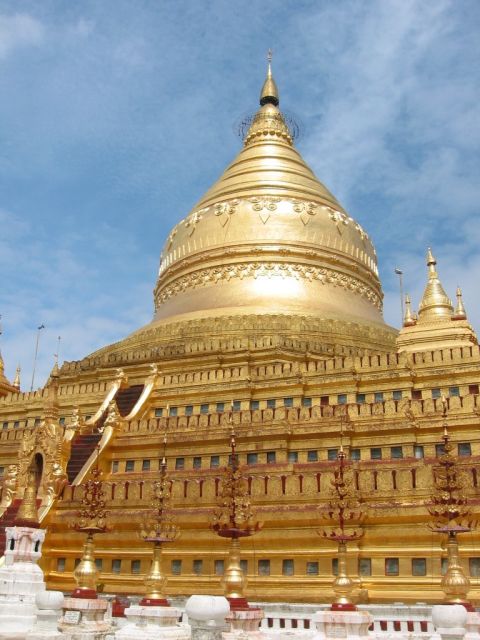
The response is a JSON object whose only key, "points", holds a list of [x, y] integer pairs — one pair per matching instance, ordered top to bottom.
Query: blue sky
{"points": [[116, 116]]}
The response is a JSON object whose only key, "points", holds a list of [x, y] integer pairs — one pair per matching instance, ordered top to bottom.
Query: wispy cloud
{"points": [[18, 31], [113, 129]]}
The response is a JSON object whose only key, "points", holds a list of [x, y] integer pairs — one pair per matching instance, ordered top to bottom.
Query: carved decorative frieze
{"points": [[224, 273]]}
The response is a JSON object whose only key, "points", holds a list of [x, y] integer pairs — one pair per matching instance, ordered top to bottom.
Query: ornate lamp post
{"points": [[345, 510], [451, 514], [233, 519], [91, 520], [158, 529]]}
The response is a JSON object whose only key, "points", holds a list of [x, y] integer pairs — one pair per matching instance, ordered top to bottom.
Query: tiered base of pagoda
{"points": [[84, 619], [153, 623]]}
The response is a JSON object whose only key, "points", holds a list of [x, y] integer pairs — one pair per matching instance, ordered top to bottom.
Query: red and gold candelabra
{"points": [[347, 512], [451, 515], [233, 518], [91, 520], [158, 528]]}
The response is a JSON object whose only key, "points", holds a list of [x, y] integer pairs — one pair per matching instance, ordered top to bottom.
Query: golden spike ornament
{"points": [[269, 93], [458, 314], [409, 318], [16, 381], [347, 512], [451, 515], [233, 518], [91, 520], [158, 528]]}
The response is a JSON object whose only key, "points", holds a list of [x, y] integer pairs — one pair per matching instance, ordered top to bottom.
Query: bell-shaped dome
{"points": [[268, 237], [267, 259]]}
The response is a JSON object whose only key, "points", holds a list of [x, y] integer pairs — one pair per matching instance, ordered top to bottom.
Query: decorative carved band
{"points": [[264, 206], [224, 273]]}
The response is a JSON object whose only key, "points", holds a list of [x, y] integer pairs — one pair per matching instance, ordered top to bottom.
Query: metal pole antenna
{"points": [[399, 273], [42, 326], [57, 355]]}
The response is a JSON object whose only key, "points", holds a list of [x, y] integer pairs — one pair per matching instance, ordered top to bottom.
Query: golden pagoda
{"points": [[268, 316]]}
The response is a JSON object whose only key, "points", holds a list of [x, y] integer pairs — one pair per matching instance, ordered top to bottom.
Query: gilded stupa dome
{"points": [[269, 236], [268, 250]]}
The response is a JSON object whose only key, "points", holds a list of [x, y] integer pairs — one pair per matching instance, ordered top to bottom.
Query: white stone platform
{"points": [[84, 619], [153, 623]]}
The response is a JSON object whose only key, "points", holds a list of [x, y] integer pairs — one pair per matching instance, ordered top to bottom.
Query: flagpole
{"points": [[399, 273], [42, 326]]}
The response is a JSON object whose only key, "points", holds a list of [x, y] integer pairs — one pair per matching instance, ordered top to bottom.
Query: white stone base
{"points": [[17, 618], [153, 623], [92, 624], [244, 624], [332, 625], [473, 626], [45, 627]]}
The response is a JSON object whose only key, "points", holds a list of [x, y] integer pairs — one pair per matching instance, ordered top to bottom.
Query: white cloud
{"points": [[17, 31], [109, 139]]}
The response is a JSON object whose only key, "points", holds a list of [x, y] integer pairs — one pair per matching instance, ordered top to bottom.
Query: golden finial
{"points": [[269, 93], [435, 304], [459, 313], [409, 319], [16, 381]]}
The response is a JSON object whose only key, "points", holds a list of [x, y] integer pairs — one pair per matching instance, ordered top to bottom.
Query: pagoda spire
{"points": [[269, 93], [268, 124], [435, 304], [459, 313], [409, 317], [16, 380], [51, 404]]}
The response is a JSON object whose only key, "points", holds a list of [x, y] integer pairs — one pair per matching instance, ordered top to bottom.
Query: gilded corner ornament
{"points": [[224, 210], [193, 219]]}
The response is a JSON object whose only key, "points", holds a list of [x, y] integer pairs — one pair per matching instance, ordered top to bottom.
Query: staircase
{"points": [[126, 399], [84, 445], [82, 448]]}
